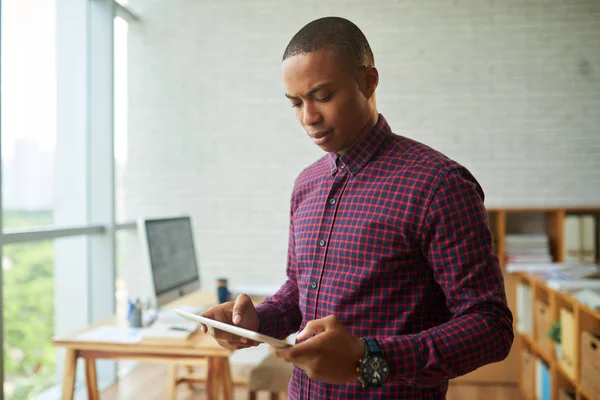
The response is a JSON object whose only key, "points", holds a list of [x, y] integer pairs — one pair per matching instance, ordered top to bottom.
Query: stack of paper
{"points": [[527, 249], [563, 271], [573, 276], [589, 297], [111, 334]]}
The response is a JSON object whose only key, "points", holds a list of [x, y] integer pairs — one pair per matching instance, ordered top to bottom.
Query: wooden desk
{"points": [[197, 349]]}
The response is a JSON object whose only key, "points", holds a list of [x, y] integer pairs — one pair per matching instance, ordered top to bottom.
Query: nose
{"points": [[311, 115]]}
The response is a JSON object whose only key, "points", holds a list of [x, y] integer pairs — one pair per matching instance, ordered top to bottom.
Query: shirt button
{"points": [[342, 166], [353, 169], [332, 201], [321, 243], [313, 284]]}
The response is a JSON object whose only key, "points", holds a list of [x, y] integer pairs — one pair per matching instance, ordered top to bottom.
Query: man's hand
{"points": [[240, 312], [328, 352]]}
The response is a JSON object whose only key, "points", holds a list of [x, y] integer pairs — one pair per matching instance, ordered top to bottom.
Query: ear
{"points": [[368, 79]]}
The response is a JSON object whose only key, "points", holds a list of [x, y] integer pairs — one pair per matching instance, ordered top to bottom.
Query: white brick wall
{"points": [[509, 88]]}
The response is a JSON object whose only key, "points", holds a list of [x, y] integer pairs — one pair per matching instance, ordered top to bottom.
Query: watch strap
{"points": [[372, 347]]}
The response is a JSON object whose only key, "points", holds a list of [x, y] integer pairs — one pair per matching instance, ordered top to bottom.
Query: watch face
{"points": [[374, 371]]}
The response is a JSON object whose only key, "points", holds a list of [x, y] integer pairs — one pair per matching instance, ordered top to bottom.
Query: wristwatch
{"points": [[373, 369]]}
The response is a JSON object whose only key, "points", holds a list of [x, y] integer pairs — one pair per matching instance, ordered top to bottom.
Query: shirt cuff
{"points": [[270, 322], [404, 355]]}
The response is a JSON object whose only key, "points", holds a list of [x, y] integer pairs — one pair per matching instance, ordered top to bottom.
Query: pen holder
{"points": [[223, 294], [135, 318]]}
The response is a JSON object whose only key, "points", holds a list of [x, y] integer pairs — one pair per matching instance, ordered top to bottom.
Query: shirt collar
{"points": [[362, 152]]}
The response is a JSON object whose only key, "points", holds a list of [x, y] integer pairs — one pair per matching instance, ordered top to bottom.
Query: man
{"points": [[393, 280]]}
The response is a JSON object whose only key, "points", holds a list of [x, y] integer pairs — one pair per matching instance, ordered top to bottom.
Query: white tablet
{"points": [[235, 330]]}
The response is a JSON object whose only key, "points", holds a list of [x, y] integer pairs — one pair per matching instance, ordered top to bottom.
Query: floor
{"points": [[148, 382]]}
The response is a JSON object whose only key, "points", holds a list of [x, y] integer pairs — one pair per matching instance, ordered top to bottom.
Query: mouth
{"points": [[320, 134], [320, 138]]}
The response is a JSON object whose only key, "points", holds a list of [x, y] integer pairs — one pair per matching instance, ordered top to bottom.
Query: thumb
{"points": [[240, 306], [312, 328]]}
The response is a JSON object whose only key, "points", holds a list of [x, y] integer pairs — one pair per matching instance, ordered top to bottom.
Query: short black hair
{"points": [[332, 33]]}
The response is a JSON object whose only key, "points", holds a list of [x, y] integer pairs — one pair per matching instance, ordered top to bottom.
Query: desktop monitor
{"points": [[168, 244]]}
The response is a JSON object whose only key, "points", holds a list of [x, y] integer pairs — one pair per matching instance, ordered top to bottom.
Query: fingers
{"points": [[240, 306], [217, 313], [233, 313], [221, 315], [315, 327], [203, 328], [310, 340], [231, 341], [236, 346], [302, 352]]}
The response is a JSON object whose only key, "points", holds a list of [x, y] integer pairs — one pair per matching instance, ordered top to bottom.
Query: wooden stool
{"points": [[271, 375], [217, 378]]}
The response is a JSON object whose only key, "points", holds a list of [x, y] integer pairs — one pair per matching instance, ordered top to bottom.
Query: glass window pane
{"points": [[120, 104], [28, 108], [43, 124], [26, 219], [129, 258], [128, 261], [36, 281], [28, 290]]}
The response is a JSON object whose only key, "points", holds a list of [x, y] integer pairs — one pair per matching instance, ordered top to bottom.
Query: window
{"points": [[120, 104], [57, 105], [28, 112], [129, 255], [33, 283], [30, 360]]}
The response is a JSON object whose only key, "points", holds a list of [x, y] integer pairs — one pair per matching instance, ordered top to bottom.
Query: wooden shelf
{"points": [[587, 209], [551, 220], [554, 226], [589, 311], [585, 319], [548, 358], [566, 375], [524, 395], [586, 396]]}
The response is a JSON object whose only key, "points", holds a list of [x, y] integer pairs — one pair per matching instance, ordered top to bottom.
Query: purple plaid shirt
{"points": [[393, 239]]}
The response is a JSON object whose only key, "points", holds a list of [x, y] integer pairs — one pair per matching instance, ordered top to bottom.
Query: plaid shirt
{"points": [[393, 239]]}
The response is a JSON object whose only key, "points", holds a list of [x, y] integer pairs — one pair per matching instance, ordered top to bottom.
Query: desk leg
{"points": [[190, 371], [225, 376], [212, 378], [91, 379], [172, 381], [68, 389]]}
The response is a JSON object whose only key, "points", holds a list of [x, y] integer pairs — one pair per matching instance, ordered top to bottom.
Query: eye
{"points": [[324, 99], [296, 105]]}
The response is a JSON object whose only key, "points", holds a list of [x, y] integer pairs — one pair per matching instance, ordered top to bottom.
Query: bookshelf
{"points": [[549, 221], [553, 225], [579, 370]]}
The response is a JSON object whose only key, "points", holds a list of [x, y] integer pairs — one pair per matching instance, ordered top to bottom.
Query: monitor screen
{"points": [[172, 254]]}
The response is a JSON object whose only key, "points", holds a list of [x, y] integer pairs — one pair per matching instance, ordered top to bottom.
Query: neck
{"points": [[364, 131]]}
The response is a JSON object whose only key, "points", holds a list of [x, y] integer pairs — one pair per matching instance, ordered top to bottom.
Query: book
{"points": [[572, 238], [588, 238]]}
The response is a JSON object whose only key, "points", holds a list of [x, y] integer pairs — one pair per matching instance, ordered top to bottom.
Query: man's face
{"points": [[326, 97]]}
